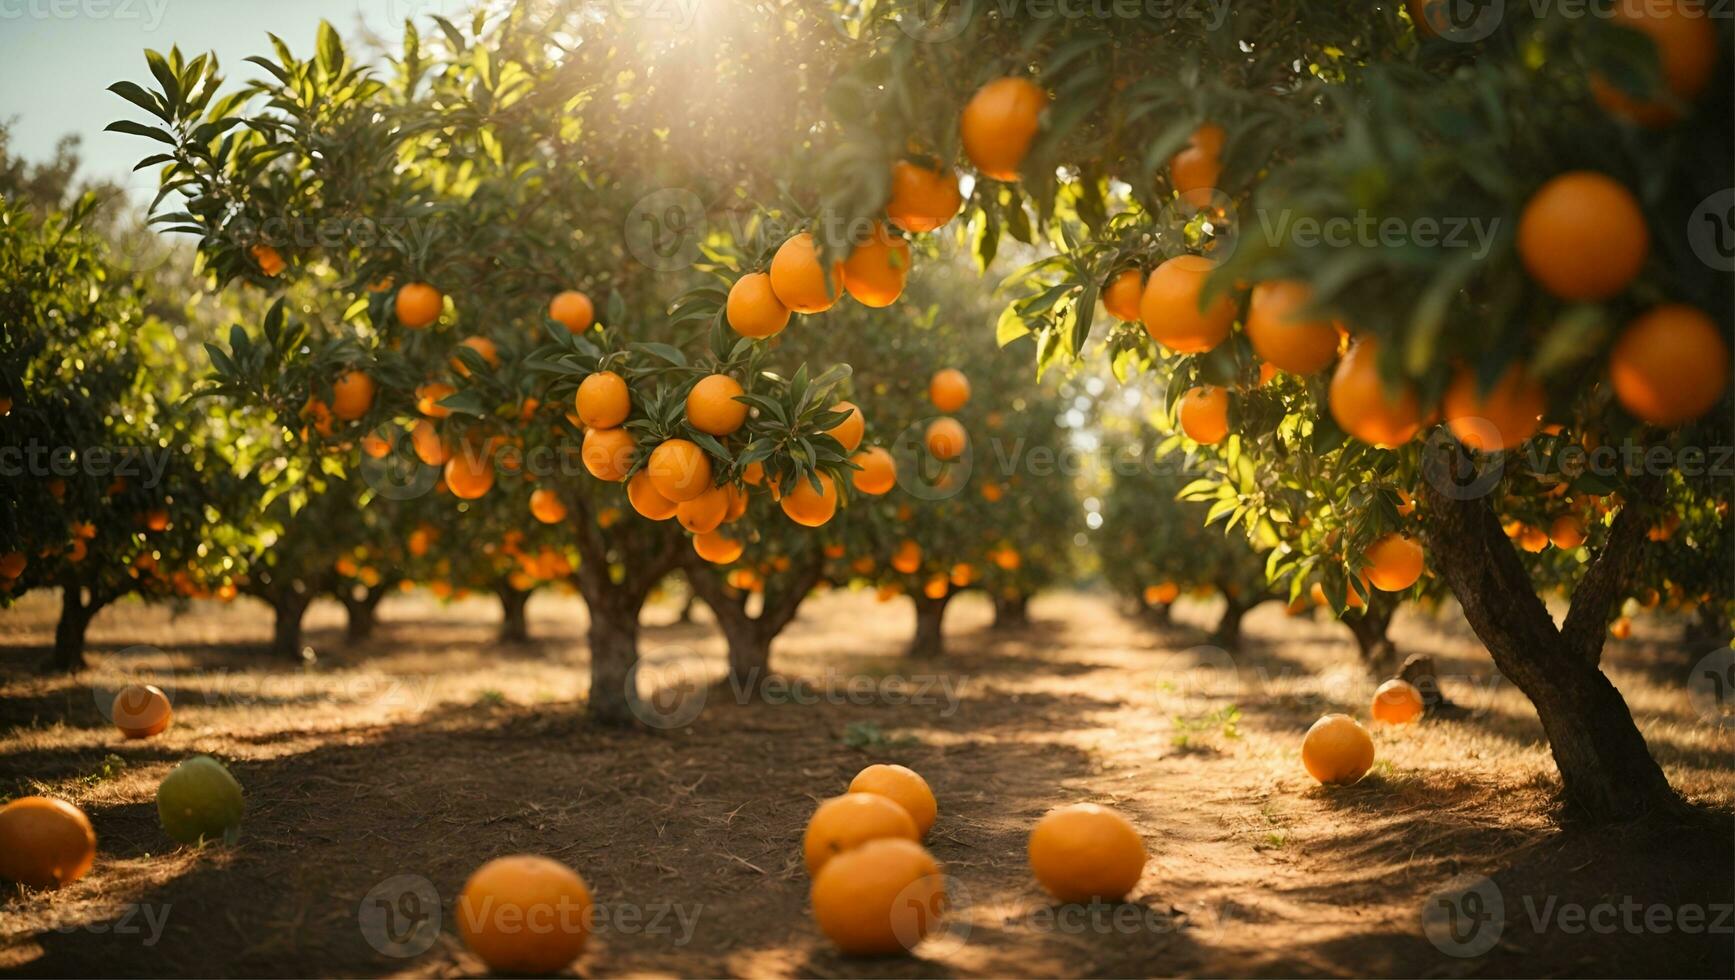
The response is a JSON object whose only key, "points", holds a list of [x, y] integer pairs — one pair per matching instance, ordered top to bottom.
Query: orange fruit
{"points": [[1686, 46], [998, 124], [1195, 168], [922, 199], [1582, 236], [270, 262], [876, 269], [797, 278], [1122, 294], [418, 304], [1170, 306], [753, 309], [572, 310], [1282, 335], [482, 346], [1670, 365], [949, 389], [352, 395], [429, 396], [603, 400], [1361, 405], [712, 408], [319, 413], [1204, 413], [1502, 418], [850, 430], [946, 438], [429, 446], [608, 453], [679, 470], [878, 473], [469, 474], [643, 495], [1406, 502], [737, 503], [546, 506], [809, 507], [704, 513], [157, 521], [1567, 532], [1532, 539], [717, 548], [907, 558], [1394, 562], [12, 564], [937, 587], [1162, 593], [1621, 628], [1397, 702], [141, 710], [1337, 750], [903, 786], [851, 820], [45, 843], [1085, 852], [879, 898], [525, 914]]}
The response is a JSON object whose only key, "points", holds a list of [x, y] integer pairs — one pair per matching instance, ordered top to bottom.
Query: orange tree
{"points": [[1513, 219], [482, 236], [107, 490]]}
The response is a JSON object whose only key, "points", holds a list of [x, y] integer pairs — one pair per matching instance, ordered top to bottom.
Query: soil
{"points": [[430, 748]]}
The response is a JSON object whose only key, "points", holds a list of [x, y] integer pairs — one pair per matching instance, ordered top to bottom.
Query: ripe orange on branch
{"points": [[1685, 41], [999, 123], [1196, 167], [922, 199], [1583, 236], [876, 269], [797, 278], [1122, 294], [418, 304], [753, 309], [572, 310], [1171, 310], [1281, 335], [482, 346], [1670, 365], [949, 390], [352, 395], [603, 400], [1362, 405], [712, 408], [1204, 414], [1500, 418], [849, 432], [946, 438], [608, 453], [679, 470], [878, 473], [645, 499], [546, 506], [809, 507], [704, 513], [717, 548], [1394, 562]]}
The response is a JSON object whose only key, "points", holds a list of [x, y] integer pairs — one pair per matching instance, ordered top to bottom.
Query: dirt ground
{"points": [[390, 769]]}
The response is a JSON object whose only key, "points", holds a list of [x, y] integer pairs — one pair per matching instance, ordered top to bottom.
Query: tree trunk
{"points": [[289, 608], [76, 612], [362, 612], [1011, 613], [1160, 615], [514, 625], [1369, 626], [1227, 635], [750, 637], [929, 642], [614, 652], [749, 653], [1606, 770]]}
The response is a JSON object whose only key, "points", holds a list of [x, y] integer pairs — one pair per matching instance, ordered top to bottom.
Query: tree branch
{"points": [[1586, 626]]}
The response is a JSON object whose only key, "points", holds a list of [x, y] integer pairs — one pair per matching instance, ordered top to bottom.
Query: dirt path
{"points": [[393, 769]]}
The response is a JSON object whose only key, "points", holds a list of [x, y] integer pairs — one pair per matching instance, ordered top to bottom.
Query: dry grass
{"points": [[431, 747]]}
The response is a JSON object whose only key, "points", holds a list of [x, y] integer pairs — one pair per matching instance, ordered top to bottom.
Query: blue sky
{"points": [[57, 58]]}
